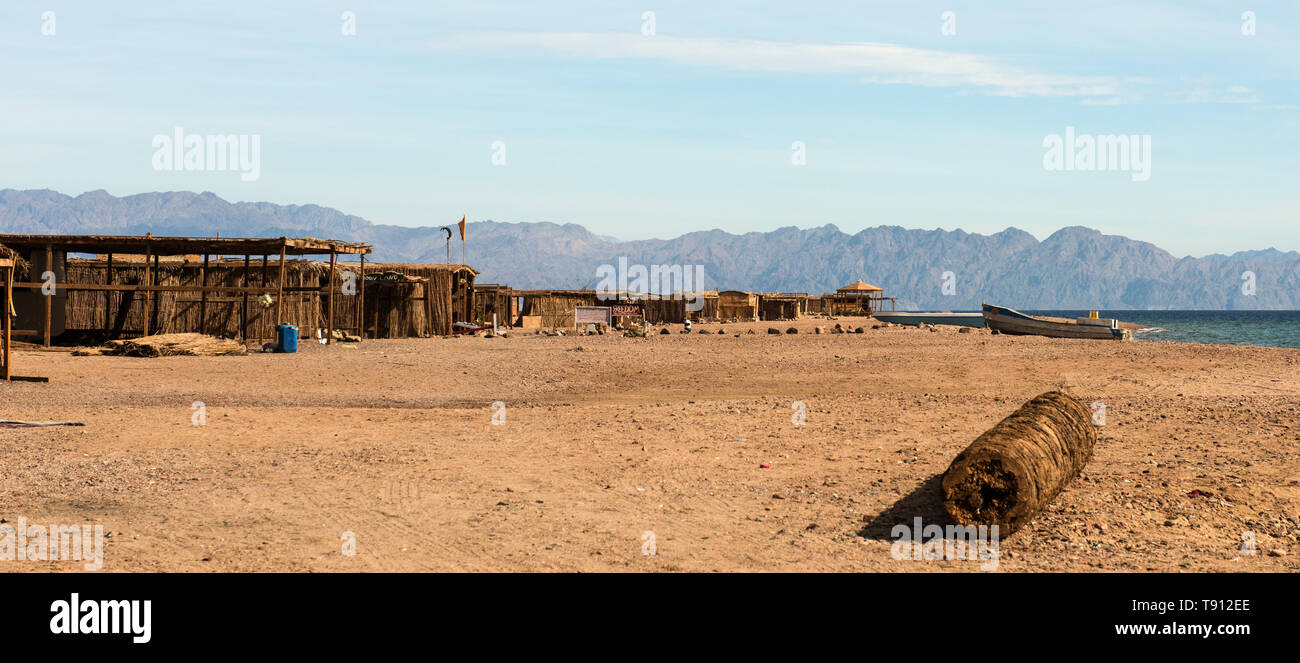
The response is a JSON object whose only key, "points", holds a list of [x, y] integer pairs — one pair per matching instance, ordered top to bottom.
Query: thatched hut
{"points": [[148, 279], [448, 295], [857, 298], [492, 299], [707, 304], [737, 305], [782, 305], [396, 306], [554, 308], [117, 314]]}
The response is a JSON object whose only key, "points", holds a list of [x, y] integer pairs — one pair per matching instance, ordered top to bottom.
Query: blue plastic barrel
{"points": [[286, 337]]}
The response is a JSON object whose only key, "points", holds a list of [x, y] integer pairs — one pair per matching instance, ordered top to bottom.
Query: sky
{"points": [[651, 119]]}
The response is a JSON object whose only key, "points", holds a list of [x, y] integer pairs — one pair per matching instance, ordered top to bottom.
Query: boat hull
{"points": [[1010, 321]]}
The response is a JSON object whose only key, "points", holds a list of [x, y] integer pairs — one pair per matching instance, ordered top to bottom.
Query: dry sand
{"points": [[606, 438]]}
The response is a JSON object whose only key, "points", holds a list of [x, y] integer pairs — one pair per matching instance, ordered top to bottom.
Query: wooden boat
{"points": [[916, 317], [1011, 321]]}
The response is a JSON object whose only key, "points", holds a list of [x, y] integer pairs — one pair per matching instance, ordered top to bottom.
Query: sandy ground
{"points": [[606, 439]]}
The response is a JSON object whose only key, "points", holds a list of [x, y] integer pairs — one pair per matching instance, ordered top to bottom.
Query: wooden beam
{"points": [[182, 245], [214, 289], [108, 294], [148, 294], [203, 298], [361, 299], [279, 300], [157, 301], [49, 305], [243, 307], [261, 316], [329, 321], [7, 342]]}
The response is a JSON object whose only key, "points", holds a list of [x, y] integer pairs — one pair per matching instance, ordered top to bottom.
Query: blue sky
{"points": [[691, 128]]}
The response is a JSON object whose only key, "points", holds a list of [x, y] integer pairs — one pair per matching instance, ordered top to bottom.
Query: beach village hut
{"points": [[145, 284], [142, 285], [194, 297], [857, 298], [418, 299], [491, 299], [396, 305], [737, 305], [782, 305], [707, 306], [553, 308], [661, 309]]}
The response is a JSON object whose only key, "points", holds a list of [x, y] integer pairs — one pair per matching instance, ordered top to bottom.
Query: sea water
{"points": [[1272, 328]]}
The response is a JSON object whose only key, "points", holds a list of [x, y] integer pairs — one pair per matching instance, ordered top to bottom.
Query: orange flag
{"points": [[462, 228]]}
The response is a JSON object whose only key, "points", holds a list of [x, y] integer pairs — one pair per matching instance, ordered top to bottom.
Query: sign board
{"points": [[626, 310], [584, 315]]}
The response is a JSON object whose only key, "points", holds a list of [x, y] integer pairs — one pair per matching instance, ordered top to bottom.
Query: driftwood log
{"points": [[1011, 472]]}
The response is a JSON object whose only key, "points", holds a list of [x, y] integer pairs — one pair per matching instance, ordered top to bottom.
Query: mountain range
{"points": [[1074, 268]]}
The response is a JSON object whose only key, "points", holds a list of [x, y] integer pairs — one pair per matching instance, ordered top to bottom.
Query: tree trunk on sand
{"points": [[1011, 472]]}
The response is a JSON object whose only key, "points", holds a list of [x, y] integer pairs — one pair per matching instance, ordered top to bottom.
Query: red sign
{"points": [[626, 310]]}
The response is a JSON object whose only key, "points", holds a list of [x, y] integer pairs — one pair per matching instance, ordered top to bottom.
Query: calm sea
{"points": [[1275, 328]]}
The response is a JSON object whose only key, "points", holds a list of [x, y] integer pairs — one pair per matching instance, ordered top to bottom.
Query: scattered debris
{"points": [[168, 345], [14, 423]]}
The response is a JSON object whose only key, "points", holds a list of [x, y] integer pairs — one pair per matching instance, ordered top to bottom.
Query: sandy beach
{"points": [[606, 439]]}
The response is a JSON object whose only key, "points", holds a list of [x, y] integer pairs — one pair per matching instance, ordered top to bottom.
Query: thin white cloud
{"points": [[872, 62], [1232, 95]]}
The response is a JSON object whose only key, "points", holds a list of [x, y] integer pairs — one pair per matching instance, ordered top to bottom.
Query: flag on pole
{"points": [[462, 228]]}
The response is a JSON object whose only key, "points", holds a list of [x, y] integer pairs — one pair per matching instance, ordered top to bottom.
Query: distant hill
{"points": [[1075, 267]]}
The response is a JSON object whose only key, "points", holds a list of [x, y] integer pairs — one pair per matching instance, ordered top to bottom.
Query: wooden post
{"points": [[148, 294], [108, 296], [203, 296], [156, 298], [279, 298], [361, 299], [49, 305], [243, 307], [428, 307], [261, 317], [329, 322], [8, 324]]}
